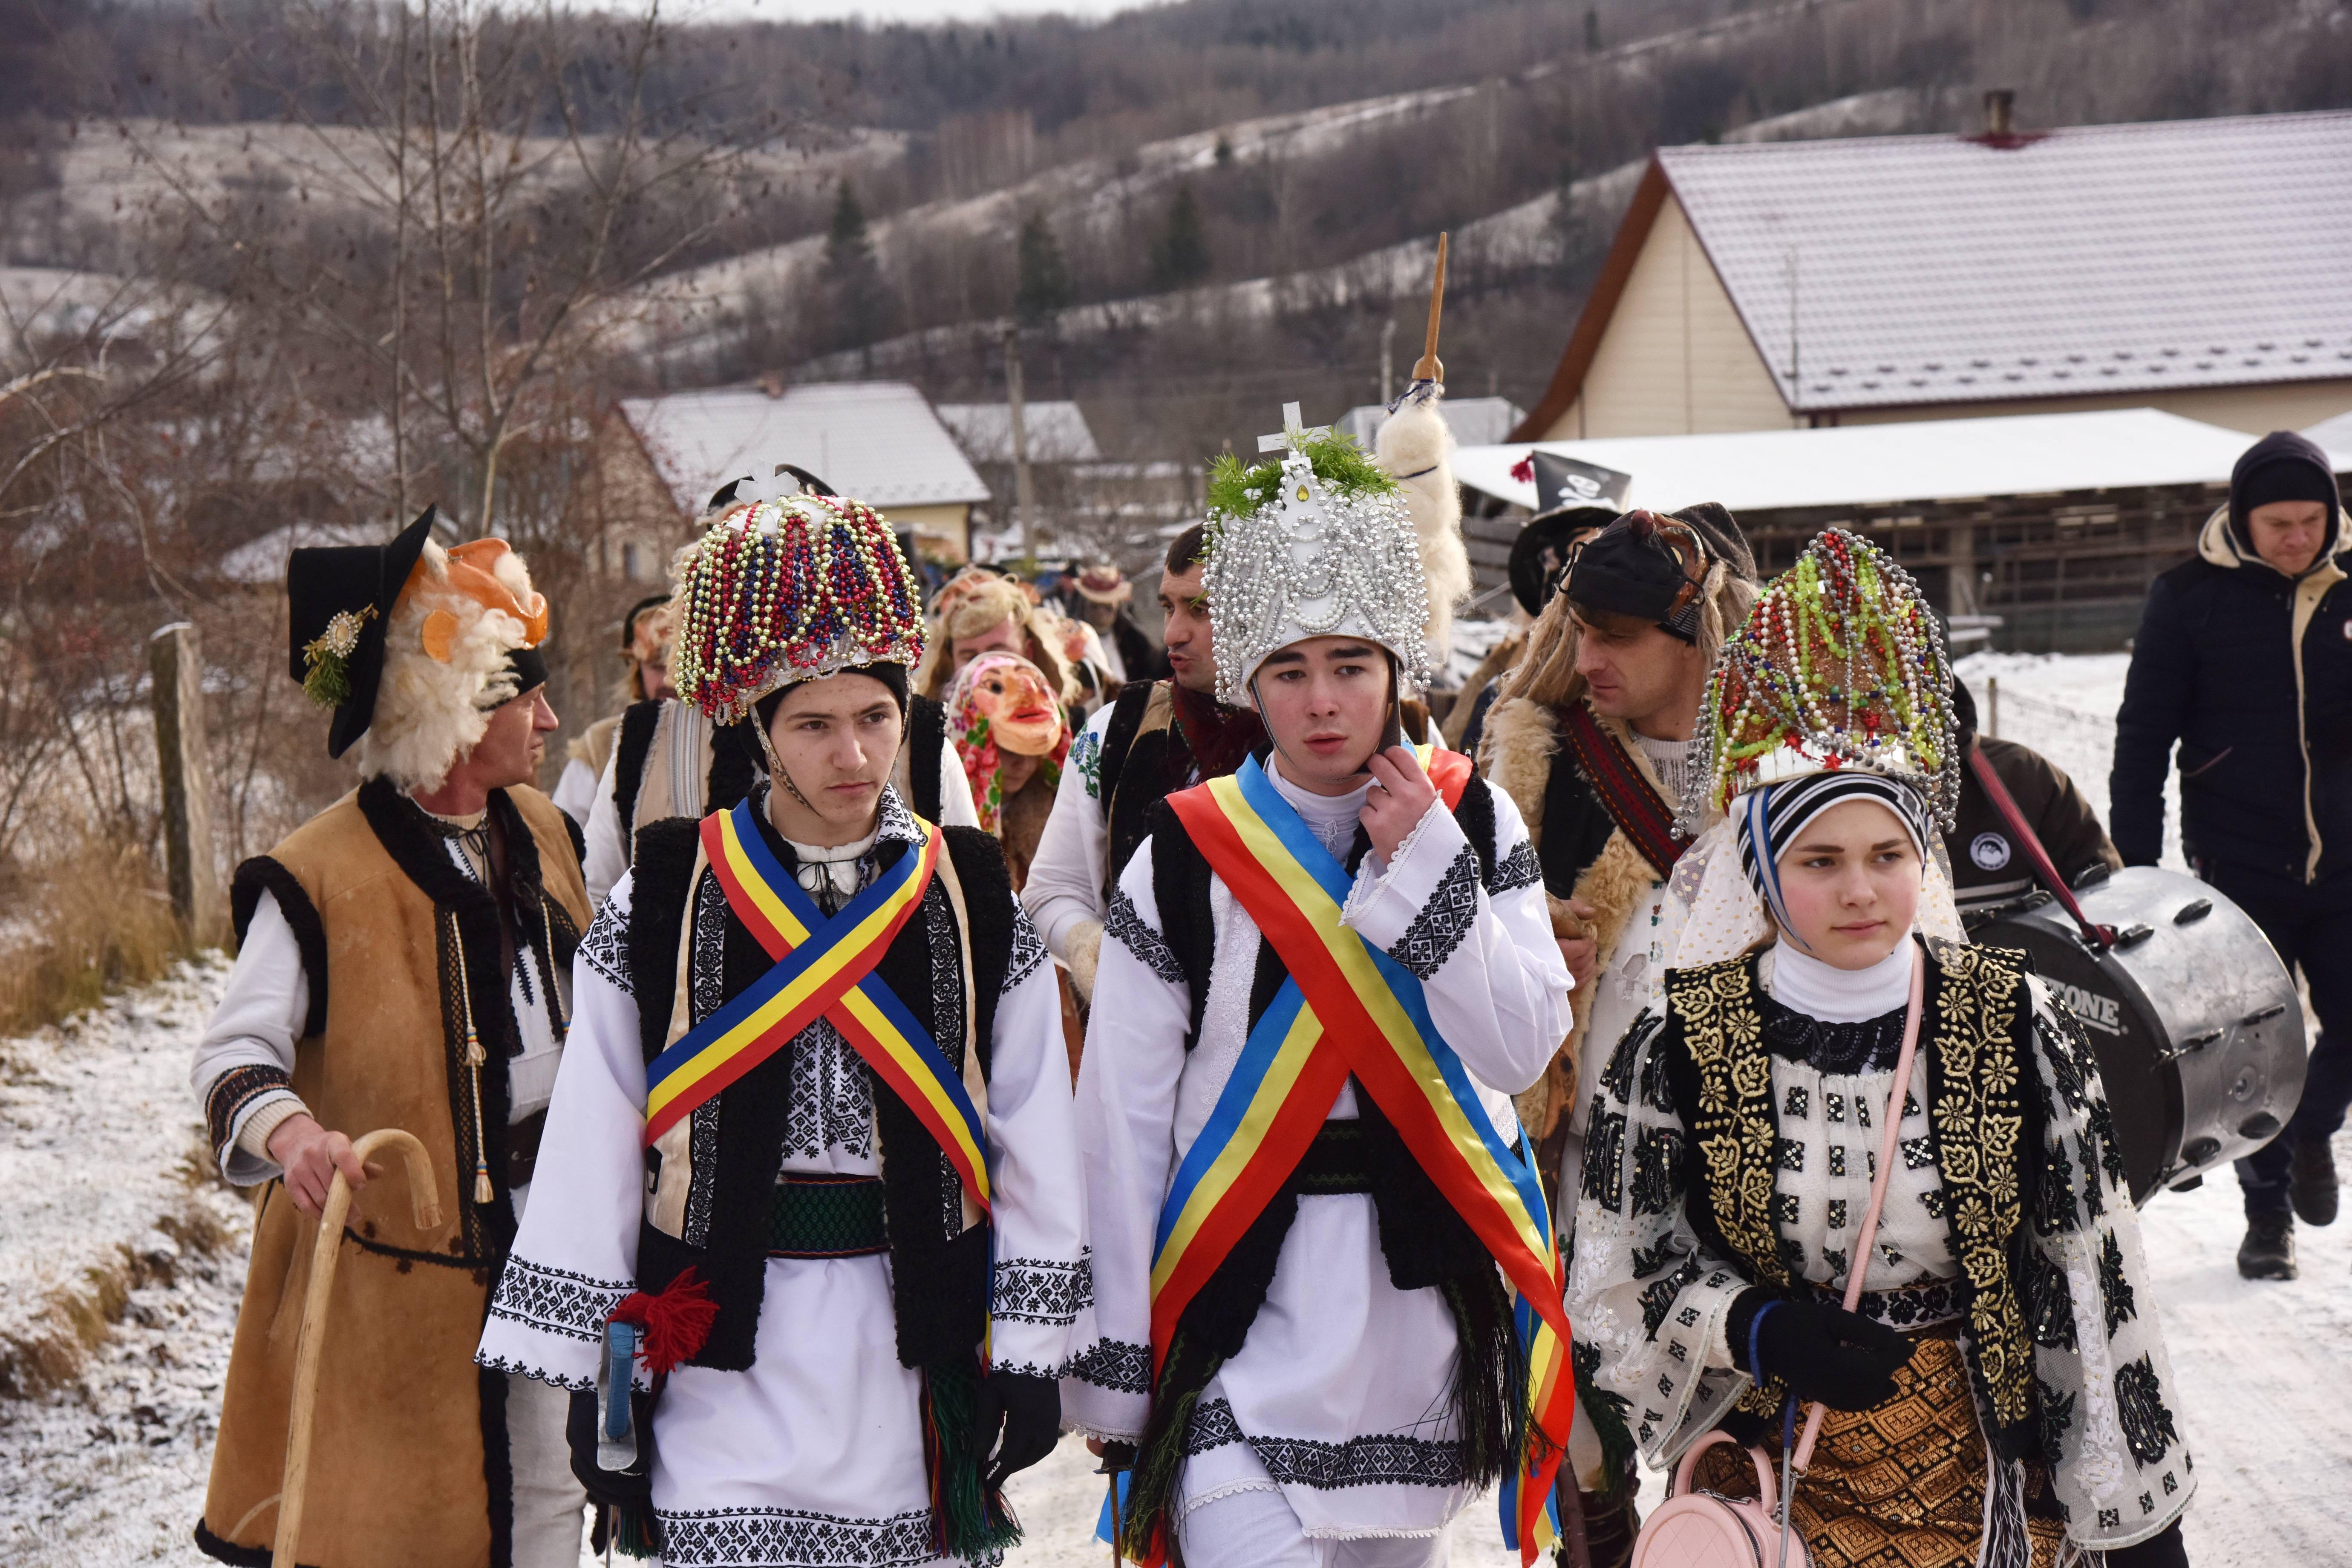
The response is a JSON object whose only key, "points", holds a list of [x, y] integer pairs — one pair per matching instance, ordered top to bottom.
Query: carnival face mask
{"points": [[1009, 693]]}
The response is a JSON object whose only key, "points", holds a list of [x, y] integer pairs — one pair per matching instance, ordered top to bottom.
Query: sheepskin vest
{"points": [[1584, 854], [410, 1435]]}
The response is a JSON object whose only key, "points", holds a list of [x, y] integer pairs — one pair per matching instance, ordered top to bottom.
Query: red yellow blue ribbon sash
{"points": [[824, 967], [1347, 1008]]}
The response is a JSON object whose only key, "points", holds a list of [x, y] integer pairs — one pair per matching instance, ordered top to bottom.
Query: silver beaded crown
{"points": [[1316, 543]]}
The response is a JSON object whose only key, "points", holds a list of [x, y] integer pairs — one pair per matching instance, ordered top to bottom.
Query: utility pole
{"points": [[1388, 362], [1023, 500]]}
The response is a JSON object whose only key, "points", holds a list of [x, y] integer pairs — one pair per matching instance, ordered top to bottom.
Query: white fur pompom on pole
{"points": [[1416, 447]]}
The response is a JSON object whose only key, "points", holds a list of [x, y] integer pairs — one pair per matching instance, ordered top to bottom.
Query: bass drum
{"points": [[2195, 1022]]}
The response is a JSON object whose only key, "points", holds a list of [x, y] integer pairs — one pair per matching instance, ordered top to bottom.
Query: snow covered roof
{"points": [[2096, 259], [1474, 421], [1055, 432], [2336, 434], [878, 441], [1874, 465]]}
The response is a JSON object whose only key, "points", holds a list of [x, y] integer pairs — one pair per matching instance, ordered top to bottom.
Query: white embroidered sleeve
{"points": [[607, 857], [1064, 889], [1496, 985], [243, 1068], [1126, 1109], [576, 1253], [1040, 1277], [1642, 1293], [2110, 1427]]}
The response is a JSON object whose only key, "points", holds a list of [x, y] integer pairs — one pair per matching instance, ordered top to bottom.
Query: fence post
{"points": [[185, 769]]}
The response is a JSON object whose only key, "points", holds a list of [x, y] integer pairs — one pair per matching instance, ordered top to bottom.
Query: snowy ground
{"points": [[97, 1133]]}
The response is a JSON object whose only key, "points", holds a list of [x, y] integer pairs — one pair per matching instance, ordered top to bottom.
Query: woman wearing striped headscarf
{"points": [[2000, 1393]]}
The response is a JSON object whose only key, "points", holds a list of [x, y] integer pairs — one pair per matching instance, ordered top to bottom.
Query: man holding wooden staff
{"points": [[404, 962]]}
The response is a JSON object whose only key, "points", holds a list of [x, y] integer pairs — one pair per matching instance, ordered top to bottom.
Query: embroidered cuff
{"points": [[1420, 907], [237, 1099], [548, 1324], [1108, 1393]]}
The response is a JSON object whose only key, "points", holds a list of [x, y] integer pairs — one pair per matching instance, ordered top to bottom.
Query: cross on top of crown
{"points": [[1290, 438]]}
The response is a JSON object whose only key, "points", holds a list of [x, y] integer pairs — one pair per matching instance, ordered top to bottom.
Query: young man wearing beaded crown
{"points": [[665, 758], [403, 961], [811, 1255], [1300, 1342]]}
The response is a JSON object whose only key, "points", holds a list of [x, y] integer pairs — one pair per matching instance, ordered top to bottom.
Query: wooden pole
{"points": [[1429, 367], [1016, 411], [183, 767], [425, 1203]]}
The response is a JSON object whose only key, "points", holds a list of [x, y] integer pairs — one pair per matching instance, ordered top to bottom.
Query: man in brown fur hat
{"points": [[1588, 738], [404, 959]]}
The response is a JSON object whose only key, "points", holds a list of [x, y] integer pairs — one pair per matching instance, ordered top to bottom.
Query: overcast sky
{"points": [[895, 10]]}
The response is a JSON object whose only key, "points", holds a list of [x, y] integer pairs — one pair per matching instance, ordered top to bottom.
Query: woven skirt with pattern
{"points": [[1902, 1486]]}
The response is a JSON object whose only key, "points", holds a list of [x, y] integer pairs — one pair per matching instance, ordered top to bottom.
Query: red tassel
{"points": [[1524, 470], [676, 1323]]}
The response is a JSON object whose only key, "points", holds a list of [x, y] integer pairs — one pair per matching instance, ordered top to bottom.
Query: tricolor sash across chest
{"points": [[825, 968], [1349, 1009]]}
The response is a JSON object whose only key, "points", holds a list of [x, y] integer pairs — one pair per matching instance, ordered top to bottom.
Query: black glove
{"points": [[1825, 1354], [1029, 1409], [634, 1485], [2165, 1551]]}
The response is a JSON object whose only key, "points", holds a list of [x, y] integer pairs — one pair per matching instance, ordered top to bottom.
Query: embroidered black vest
{"points": [[1976, 1060], [939, 1273]]}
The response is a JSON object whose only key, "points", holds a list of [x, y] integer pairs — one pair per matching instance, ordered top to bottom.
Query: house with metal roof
{"points": [[2197, 267], [879, 441]]}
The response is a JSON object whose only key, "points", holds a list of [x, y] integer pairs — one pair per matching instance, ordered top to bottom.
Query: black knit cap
{"points": [[2283, 465], [1648, 566]]}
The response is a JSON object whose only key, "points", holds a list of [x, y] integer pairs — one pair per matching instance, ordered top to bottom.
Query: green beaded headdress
{"points": [[779, 592], [1841, 664]]}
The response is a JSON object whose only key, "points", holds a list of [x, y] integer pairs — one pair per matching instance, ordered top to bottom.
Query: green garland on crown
{"points": [[1346, 468]]}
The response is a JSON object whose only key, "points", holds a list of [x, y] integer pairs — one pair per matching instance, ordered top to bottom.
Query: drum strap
{"points": [[2098, 936]]}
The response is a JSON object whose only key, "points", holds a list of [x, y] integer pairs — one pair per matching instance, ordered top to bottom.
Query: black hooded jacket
{"points": [[2251, 672]]}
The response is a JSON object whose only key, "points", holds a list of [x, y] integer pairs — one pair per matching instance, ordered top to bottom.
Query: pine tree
{"points": [[1593, 30], [1179, 258], [852, 279], [1043, 282]]}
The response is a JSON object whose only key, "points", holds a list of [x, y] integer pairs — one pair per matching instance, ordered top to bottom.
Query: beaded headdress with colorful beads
{"points": [[1317, 542], [779, 592], [1841, 664]]}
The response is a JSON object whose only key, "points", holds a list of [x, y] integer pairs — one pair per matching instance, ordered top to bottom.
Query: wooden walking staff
{"points": [[1429, 367], [425, 1200]]}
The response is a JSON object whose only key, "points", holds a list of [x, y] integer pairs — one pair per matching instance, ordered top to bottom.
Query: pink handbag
{"points": [[1701, 1530]]}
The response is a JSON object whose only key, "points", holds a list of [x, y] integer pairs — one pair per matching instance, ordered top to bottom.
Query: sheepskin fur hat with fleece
{"points": [[462, 640]]}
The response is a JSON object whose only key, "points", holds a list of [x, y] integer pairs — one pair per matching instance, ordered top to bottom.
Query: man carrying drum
{"points": [[2245, 656]]}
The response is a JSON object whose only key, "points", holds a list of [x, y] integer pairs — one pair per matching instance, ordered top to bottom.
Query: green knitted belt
{"points": [[1337, 1161], [826, 1217]]}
